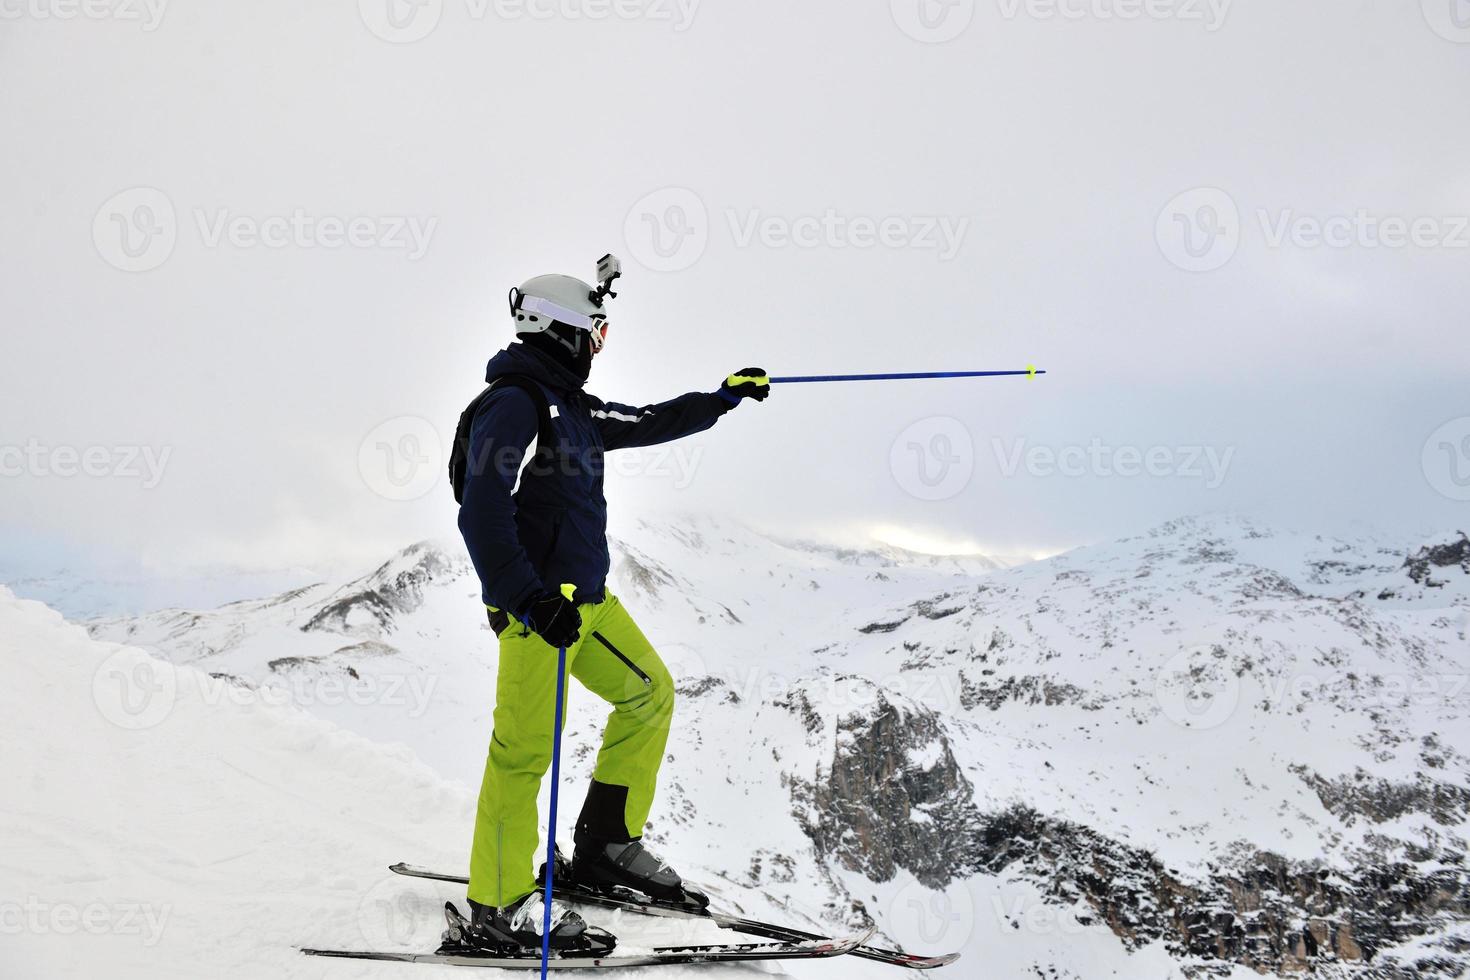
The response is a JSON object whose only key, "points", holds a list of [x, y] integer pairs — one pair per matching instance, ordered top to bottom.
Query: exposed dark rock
{"points": [[1455, 554], [372, 603], [883, 627], [1029, 690], [800, 705], [892, 797], [1380, 800], [1267, 913]]}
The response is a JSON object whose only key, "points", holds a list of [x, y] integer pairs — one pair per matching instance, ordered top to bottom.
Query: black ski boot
{"points": [[606, 860], [604, 866], [516, 929]]}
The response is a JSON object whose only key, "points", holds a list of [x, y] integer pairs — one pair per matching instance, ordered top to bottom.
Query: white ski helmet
{"points": [[541, 302]]}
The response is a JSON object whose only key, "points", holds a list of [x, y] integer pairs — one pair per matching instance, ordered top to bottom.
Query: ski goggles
{"points": [[595, 324]]}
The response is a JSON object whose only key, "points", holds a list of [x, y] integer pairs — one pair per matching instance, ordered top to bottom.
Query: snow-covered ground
{"points": [[860, 734]]}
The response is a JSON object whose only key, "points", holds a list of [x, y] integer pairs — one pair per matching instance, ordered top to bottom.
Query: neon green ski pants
{"points": [[624, 671]]}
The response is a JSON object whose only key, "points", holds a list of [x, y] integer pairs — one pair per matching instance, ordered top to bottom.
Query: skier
{"points": [[524, 544]]}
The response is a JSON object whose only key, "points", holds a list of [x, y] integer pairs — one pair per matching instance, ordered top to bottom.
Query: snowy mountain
{"points": [[1213, 749], [155, 829]]}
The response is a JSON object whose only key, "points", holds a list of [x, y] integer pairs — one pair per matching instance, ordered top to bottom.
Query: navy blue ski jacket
{"points": [[553, 529]]}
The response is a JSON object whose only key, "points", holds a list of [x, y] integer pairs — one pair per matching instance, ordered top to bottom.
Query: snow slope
{"points": [[1214, 744], [157, 828], [150, 831]]}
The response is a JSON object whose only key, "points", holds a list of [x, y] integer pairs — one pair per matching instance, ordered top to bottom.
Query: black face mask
{"points": [[555, 341]]}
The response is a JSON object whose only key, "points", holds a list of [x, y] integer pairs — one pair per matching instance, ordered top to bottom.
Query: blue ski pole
{"points": [[1030, 372], [567, 590]]}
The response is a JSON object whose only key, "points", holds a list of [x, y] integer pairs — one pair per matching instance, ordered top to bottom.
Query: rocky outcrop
{"points": [[1423, 565], [369, 606], [892, 796], [1381, 800], [1265, 912]]}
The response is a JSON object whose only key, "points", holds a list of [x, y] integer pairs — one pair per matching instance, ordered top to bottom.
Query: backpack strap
{"points": [[459, 456]]}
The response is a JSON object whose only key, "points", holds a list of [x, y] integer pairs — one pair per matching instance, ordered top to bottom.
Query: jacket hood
{"points": [[521, 359]]}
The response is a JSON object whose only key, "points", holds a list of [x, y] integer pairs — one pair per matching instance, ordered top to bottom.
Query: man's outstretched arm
{"points": [[627, 426]]}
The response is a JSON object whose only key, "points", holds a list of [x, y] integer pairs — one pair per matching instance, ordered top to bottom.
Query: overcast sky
{"points": [[254, 257]]}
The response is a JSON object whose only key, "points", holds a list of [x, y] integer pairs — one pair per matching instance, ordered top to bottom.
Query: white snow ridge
{"points": [[1214, 750]]}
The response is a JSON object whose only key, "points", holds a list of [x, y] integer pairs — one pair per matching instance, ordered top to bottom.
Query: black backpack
{"points": [[459, 456]]}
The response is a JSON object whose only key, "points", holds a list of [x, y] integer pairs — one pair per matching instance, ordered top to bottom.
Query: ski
{"points": [[631, 901], [455, 954]]}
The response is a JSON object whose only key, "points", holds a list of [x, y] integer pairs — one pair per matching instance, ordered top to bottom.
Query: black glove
{"points": [[747, 383], [555, 619]]}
